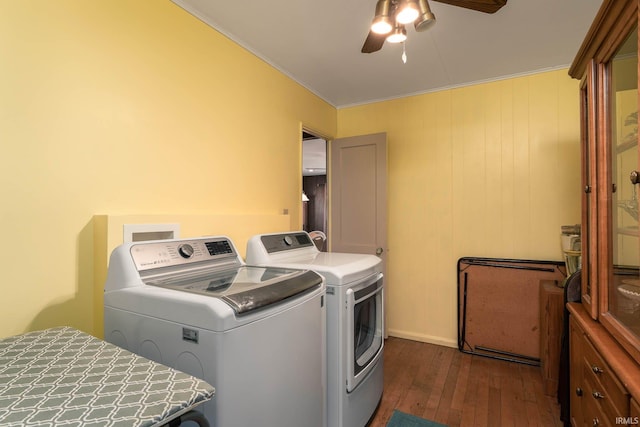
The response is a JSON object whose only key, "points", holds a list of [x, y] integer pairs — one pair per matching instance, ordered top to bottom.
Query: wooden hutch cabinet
{"points": [[605, 327]]}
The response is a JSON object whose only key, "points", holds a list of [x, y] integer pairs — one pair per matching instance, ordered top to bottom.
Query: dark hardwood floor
{"points": [[458, 389]]}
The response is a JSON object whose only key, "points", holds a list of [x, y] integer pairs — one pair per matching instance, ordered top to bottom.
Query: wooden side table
{"points": [[551, 316]]}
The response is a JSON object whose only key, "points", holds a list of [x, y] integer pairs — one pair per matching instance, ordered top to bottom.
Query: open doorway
{"points": [[314, 184]]}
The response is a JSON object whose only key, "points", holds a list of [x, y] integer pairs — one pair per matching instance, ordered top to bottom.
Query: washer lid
{"points": [[296, 250], [337, 268], [244, 289]]}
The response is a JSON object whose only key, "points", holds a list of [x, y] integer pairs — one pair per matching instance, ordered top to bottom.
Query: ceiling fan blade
{"points": [[487, 6], [373, 43]]}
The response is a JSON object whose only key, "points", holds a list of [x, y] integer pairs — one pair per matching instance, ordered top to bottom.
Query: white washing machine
{"points": [[355, 301], [256, 334]]}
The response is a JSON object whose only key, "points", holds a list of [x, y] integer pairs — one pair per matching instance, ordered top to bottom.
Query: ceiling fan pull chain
{"points": [[404, 53]]}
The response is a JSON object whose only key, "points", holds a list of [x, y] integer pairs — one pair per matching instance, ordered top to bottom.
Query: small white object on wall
{"points": [[143, 232]]}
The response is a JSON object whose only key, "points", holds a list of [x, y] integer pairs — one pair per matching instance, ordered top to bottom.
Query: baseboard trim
{"points": [[423, 338]]}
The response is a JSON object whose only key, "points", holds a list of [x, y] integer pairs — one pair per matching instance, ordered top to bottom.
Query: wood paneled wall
{"points": [[490, 170]]}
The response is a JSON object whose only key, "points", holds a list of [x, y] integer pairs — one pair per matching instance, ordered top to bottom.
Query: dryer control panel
{"points": [[286, 241]]}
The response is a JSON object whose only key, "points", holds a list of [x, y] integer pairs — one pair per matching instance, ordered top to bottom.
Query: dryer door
{"points": [[365, 326]]}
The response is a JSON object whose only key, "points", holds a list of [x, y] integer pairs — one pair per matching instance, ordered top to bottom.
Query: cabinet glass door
{"points": [[589, 213], [623, 295]]}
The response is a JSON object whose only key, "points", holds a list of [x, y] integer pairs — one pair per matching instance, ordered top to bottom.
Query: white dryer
{"points": [[355, 316], [256, 334]]}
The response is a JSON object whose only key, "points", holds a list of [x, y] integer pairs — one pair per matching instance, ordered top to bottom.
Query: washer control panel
{"points": [[284, 242], [148, 256]]}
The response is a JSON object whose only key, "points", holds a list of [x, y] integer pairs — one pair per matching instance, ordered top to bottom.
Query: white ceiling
{"points": [[318, 42]]}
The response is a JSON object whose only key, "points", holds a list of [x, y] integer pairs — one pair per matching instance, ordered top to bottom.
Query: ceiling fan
{"points": [[392, 15]]}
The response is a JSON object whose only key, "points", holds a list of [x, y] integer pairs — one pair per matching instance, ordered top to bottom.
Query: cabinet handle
{"points": [[635, 177], [587, 189], [596, 369], [578, 391], [597, 395], [596, 422]]}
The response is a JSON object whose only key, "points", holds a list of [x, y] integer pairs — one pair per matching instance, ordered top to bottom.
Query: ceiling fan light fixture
{"points": [[407, 12], [426, 18], [382, 21], [382, 25], [398, 35]]}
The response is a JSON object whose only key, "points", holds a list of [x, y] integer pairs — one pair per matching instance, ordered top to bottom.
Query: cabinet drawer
{"points": [[604, 381], [635, 411], [595, 413]]}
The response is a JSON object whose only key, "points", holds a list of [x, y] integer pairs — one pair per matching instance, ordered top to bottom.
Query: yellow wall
{"points": [[118, 107], [129, 107], [490, 170]]}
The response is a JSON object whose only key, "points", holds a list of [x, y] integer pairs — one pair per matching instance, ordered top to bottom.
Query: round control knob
{"points": [[288, 241], [185, 251]]}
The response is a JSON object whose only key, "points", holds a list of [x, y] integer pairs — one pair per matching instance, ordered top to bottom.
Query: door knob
{"points": [[634, 177], [379, 251]]}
